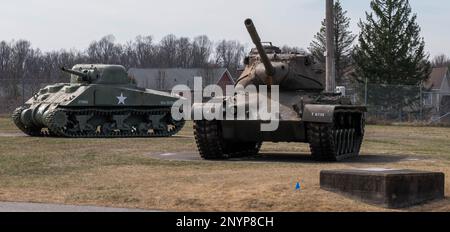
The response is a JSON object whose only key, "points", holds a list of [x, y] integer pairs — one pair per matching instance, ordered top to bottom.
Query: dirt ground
{"points": [[123, 173]]}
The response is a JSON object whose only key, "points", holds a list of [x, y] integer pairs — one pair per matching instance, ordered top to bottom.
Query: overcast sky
{"points": [[57, 24]]}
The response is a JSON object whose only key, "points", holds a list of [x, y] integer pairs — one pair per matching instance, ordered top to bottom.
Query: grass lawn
{"points": [[6, 125], [120, 172]]}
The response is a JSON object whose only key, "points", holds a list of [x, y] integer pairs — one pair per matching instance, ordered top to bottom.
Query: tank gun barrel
{"points": [[270, 71], [77, 73]]}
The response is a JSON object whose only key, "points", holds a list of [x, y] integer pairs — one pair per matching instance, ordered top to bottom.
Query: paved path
{"points": [[12, 134], [37, 207]]}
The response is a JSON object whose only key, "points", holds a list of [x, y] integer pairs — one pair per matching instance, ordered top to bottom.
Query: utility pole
{"points": [[331, 68], [23, 83], [365, 91], [421, 100]]}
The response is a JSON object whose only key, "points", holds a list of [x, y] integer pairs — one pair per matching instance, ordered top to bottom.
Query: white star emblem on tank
{"points": [[121, 99]]}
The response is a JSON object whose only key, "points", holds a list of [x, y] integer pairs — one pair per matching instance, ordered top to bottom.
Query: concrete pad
{"points": [[12, 134], [281, 157], [261, 158], [390, 188]]}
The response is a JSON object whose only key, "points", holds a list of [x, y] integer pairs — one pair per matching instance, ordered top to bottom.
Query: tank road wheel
{"points": [[167, 126], [175, 126], [106, 129], [142, 129], [31, 131], [339, 140], [212, 146]]}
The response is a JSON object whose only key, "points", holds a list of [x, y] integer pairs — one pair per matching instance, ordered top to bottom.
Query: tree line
{"points": [[20, 61]]}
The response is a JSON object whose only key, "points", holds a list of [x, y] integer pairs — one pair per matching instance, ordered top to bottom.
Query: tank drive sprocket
{"points": [[32, 131], [339, 140]]}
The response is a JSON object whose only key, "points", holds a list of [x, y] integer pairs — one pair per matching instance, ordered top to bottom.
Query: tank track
{"points": [[70, 129], [35, 132], [339, 140], [212, 146]]}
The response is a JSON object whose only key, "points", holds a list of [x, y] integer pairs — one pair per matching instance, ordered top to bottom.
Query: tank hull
{"points": [[328, 122], [250, 131]]}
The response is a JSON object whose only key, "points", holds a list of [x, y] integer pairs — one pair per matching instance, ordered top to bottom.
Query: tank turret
{"points": [[269, 66], [99, 74], [85, 76]]}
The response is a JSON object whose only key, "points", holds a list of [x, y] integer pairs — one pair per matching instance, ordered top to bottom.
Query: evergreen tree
{"points": [[343, 42], [390, 49]]}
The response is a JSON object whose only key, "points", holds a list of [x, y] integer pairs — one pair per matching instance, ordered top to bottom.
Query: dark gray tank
{"points": [[329, 122]]}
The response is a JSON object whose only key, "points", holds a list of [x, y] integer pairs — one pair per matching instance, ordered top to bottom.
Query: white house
{"points": [[437, 89]]}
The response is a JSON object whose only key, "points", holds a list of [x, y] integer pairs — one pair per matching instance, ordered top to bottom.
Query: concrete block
{"points": [[385, 187]]}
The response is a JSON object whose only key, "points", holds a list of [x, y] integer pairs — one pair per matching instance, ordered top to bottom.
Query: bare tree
{"points": [[288, 49], [143, 50], [20, 51], [105, 51], [167, 51], [201, 51], [184, 52], [229, 54], [5, 59], [440, 61], [5, 69]]}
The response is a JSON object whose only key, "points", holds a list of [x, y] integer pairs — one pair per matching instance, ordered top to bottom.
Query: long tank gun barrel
{"points": [[270, 70], [80, 74]]}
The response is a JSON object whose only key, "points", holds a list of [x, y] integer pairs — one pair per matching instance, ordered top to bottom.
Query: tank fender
{"points": [[200, 108], [318, 113], [27, 117]]}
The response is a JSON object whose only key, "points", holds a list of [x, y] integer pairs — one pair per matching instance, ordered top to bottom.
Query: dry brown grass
{"points": [[6, 125], [119, 173]]}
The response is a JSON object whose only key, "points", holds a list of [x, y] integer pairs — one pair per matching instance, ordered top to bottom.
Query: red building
{"points": [[166, 79]]}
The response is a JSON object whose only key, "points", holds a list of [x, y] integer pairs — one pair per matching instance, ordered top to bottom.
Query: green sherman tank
{"points": [[99, 101], [329, 122]]}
